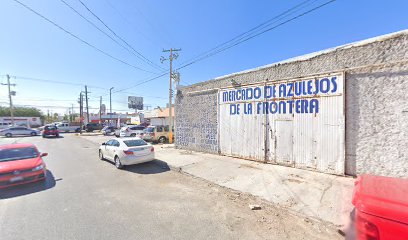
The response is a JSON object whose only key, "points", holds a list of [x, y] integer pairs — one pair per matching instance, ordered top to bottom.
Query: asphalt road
{"points": [[86, 198]]}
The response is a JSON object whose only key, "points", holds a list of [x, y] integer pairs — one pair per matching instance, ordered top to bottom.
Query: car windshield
{"points": [[50, 128], [135, 143], [17, 153]]}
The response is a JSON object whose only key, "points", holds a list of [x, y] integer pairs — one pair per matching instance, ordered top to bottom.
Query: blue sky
{"points": [[32, 47]]}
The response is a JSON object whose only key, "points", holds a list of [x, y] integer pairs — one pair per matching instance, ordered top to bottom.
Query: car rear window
{"points": [[50, 128], [135, 143], [17, 153]]}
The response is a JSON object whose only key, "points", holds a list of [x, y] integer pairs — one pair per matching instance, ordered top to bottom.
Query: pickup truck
{"points": [[65, 127], [381, 208]]}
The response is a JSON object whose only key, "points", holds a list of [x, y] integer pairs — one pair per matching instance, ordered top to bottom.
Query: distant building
{"points": [[159, 116], [22, 121]]}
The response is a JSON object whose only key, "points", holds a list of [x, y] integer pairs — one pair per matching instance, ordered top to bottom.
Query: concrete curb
{"points": [[88, 134]]}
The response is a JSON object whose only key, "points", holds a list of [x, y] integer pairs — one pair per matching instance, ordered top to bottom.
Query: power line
{"points": [[131, 24], [99, 29], [250, 30], [255, 35], [78, 38], [241, 41], [141, 57], [53, 81], [142, 82]]}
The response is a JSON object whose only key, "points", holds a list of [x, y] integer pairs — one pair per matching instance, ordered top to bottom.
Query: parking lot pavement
{"points": [[86, 198]]}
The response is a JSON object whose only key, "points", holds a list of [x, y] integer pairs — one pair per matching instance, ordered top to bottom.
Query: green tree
{"points": [[20, 112]]}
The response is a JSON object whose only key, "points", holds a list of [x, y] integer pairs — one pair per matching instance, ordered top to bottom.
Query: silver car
{"points": [[16, 131]]}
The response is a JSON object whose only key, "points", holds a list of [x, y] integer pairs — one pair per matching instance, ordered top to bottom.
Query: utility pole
{"points": [[162, 59], [11, 93], [110, 106], [87, 107], [100, 111], [72, 113], [80, 113]]}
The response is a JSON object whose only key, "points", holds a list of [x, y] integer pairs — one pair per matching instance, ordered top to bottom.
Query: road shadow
{"points": [[22, 136], [52, 137], [153, 167], [29, 188]]}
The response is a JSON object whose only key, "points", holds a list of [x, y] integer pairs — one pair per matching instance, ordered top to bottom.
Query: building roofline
{"points": [[308, 56]]}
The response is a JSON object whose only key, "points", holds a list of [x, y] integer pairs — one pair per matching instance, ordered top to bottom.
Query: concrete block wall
{"points": [[375, 101]]}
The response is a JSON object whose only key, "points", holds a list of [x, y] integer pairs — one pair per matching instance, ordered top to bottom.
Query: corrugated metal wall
{"points": [[301, 124]]}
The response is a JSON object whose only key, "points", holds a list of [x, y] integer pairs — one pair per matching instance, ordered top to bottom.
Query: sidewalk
{"points": [[312, 194]]}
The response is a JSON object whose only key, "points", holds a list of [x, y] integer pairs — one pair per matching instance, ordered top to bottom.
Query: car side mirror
{"points": [[103, 143], [43, 154]]}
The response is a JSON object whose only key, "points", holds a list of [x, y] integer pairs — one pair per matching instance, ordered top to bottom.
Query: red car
{"points": [[50, 131], [21, 163], [381, 208]]}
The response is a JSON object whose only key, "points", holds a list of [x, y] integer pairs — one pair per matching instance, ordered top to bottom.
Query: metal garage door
{"points": [[297, 123]]}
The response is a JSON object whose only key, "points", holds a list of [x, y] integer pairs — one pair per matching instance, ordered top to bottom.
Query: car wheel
{"points": [[77, 130], [33, 134], [9, 135], [133, 135], [162, 140], [101, 155], [118, 164]]}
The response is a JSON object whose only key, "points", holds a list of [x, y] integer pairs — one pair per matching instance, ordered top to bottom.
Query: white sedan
{"points": [[126, 151]]}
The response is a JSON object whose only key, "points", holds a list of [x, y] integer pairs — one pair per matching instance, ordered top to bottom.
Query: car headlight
{"points": [[39, 167]]}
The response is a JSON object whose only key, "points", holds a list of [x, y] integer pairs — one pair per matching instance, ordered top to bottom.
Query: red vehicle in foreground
{"points": [[21, 163], [381, 208]]}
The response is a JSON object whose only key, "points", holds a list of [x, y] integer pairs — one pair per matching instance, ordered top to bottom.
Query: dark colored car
{"points": [[90, 127], [50, 130]]}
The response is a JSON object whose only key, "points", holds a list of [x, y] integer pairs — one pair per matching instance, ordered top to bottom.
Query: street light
{"points": [[110, 106]]}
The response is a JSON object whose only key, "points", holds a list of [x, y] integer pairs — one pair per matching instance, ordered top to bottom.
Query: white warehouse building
{"points": [[340, 111]]}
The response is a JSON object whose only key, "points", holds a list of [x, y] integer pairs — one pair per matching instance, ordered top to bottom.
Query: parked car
{"points": [[4, 125], [65, 127], [90, 127], [50, 130], [108, 130], [13, 131], [131, 131], [157, 134], [126, 151], [21, 163], [381, 208]]}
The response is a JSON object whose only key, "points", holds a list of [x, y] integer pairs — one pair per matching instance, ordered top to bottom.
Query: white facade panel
{"points": [[300, 122], [242, 136]]}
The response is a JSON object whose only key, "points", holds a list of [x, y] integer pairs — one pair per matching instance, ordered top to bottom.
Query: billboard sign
{"points": [[135, 102]]}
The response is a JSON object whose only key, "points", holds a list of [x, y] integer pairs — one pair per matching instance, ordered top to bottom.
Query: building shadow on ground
{"points": [[153, 167], [29, 188]]}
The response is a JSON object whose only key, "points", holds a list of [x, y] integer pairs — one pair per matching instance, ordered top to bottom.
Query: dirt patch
{"points": [[245, 165], [270, 222]]}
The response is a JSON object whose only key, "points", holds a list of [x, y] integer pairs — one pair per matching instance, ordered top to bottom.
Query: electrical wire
{"points": [[269, 21], [132, 25], [99, 29], [255, 35], [78, 38], [237, 43], [141, 57], [53, 81]]}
